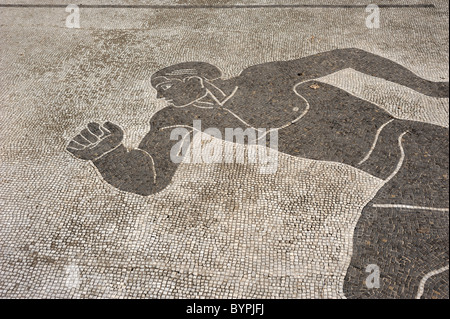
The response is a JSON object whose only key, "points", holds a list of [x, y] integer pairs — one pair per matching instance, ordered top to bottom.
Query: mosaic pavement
{"points": [[92, 204]]}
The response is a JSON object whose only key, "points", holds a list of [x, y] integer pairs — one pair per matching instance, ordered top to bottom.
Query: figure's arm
{"points": [[326, 63], [132, 171], [143, 171]]}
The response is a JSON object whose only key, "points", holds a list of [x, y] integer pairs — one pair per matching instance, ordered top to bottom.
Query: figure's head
{"points": [[184, 83]]}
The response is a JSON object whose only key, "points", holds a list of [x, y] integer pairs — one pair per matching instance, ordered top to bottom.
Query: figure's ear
{"points": [[194, 80]]}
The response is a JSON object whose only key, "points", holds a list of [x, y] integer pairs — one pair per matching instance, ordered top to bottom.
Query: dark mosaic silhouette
{"points": [[324, 123], [437, 287]]}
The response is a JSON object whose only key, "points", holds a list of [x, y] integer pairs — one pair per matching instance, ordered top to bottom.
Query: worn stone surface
{"points": [[91, 206]]}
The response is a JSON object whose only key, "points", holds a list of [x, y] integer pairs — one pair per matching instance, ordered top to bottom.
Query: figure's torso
{"points": [[322, 123], [338, 126]]}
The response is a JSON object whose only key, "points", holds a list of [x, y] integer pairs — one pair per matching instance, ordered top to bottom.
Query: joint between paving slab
{"points": [[216, 7]]}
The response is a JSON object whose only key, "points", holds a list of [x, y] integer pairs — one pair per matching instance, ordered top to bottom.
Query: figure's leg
{"points": [[404, 230], [435, 285]]}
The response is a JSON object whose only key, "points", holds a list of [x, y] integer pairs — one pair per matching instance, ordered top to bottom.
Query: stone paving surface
{"points": [[91, 205]]}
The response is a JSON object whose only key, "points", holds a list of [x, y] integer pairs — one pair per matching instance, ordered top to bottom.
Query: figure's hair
{"points": [[187, 69]]}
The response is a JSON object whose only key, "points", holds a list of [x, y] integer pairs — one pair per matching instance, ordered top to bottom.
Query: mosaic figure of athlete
{"points": [[321, 123]]}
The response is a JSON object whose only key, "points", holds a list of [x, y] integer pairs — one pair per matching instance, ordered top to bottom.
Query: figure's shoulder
{"points": [[263, 71], [172, 116]]}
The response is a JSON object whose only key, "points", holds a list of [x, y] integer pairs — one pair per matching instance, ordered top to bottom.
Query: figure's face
{"points": [[181, 92]]}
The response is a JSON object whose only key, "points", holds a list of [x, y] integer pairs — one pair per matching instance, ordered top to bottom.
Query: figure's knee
{"points": [[421, 177], [395, 242]]}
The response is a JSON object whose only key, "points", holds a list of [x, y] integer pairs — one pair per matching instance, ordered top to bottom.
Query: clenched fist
{"points": [[95, 140]]}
